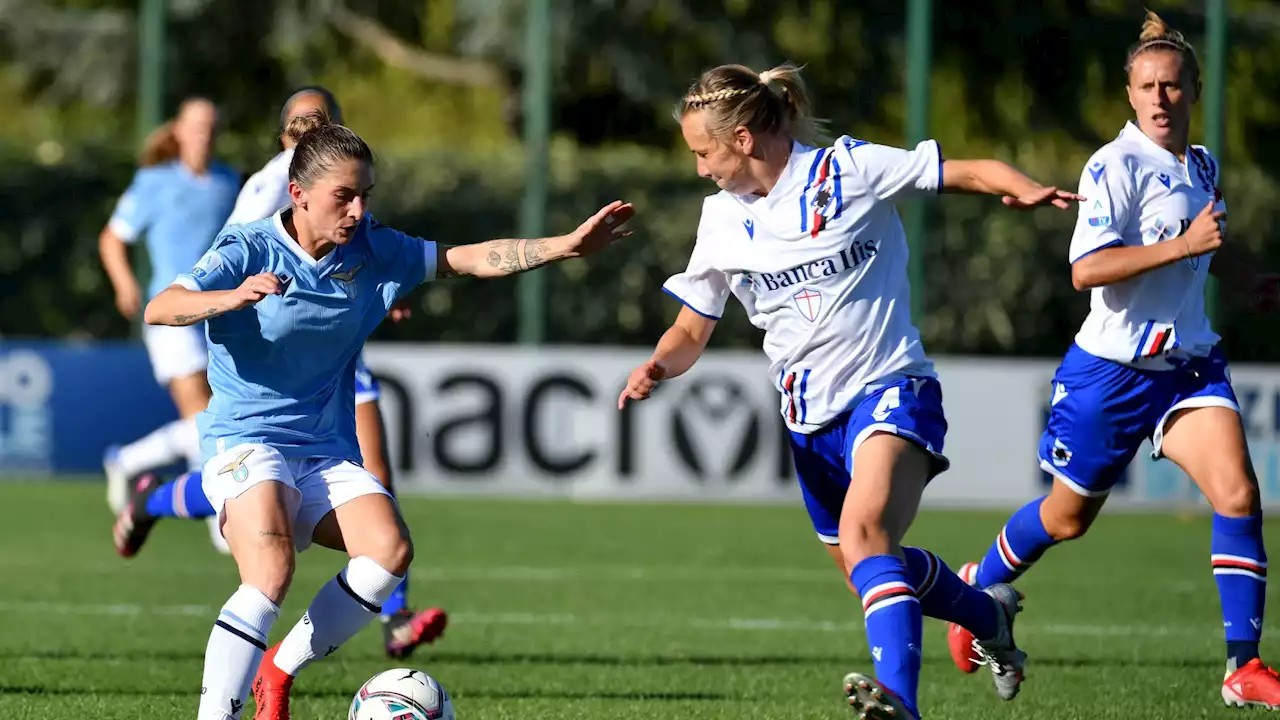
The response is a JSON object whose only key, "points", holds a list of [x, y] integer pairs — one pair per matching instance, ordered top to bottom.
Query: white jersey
{"points": [[265, 192], [1137, 193], [820, 264]]}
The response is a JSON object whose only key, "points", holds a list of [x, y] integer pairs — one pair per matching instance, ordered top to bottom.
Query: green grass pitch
{"points": [[597, 611]]}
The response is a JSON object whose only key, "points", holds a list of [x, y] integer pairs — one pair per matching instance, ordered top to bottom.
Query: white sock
{"points": [[187, 437], [161, 447], [342, 607], [236, 645]]}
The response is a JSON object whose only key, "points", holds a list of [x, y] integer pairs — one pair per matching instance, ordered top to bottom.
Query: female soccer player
{"points": [[266, 192], [180, 198], [805, 233], [290, 300], [1146, 364]]}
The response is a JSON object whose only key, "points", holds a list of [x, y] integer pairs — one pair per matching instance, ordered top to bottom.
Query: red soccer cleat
{"points": [[133, 524], [406, 630], [964, 647], [1255, 684], [271, 689]]}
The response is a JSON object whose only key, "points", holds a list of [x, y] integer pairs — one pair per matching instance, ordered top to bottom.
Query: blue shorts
{"points": [[366, 383], [910, 408], [1101, 411]]}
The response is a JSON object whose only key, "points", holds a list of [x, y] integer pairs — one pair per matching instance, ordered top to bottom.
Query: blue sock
{"points": [[183, 498], [1021, 542], [1240, 568], [943, 595], [399, 599], [895, 626]]}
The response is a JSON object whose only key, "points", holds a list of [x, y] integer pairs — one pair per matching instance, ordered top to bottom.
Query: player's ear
{"points": [[743, 140], [298, 194]]}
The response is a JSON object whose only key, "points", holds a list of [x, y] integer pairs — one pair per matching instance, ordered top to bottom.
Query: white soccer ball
{"points": [[401, 694]]}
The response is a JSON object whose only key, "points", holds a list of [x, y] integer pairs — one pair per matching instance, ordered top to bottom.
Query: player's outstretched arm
{"points": [[992, 177], [499, 258], [176, 305], [680, 347]]}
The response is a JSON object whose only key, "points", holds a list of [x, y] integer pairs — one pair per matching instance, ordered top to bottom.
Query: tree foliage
{"points": [[435, 86]]}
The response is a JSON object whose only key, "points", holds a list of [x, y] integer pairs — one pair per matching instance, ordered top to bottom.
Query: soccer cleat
{"points": [[117, 481], [133, 524], [406, 630], [965, 652], [1001, 654], [1254, 685], [271, 689], [872, 701]]}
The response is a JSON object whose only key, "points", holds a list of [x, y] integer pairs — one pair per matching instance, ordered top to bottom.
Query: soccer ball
{"points": [[401, 694]]}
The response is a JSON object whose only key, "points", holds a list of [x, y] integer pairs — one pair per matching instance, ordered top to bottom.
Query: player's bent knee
{"points": [[1235, 495], [861, 539], [268, 564]]}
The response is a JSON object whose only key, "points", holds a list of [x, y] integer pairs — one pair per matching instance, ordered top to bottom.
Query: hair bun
{"points": [[300, 125]]}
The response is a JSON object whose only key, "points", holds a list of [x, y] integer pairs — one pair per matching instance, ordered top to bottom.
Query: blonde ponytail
{"points": [[774, 101]]}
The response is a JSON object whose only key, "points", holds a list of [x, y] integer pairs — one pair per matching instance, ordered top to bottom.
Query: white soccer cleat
{"points": [[117, 481], [215, 536], [1001, 654], [872, 701]]}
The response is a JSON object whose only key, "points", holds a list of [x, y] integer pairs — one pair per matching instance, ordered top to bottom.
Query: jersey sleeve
{"points": [[893, 173], [1107, 186], [259, 198], [135, 209], [404, 261], [223, 266], [701, 287]]}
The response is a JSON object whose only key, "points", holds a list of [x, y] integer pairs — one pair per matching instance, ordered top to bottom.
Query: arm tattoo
{"points": [[517, 256], [185, 319], [272, 533]]}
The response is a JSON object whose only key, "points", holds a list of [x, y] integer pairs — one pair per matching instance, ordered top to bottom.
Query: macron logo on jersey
{"points": [[1096, 171], [750, 225], [848, 259]]}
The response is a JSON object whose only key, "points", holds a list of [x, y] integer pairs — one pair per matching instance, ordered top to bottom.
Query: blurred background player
{"points": [[266, 192], [179, 199], [805, 233], [1146, 363], [279, 433]]}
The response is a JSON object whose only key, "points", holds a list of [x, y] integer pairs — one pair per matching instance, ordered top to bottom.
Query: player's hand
{"points": [[1044, 196], [601, 229], [1205, 233], [254, 289], [129, 300], [401, 310], [642, 382]]}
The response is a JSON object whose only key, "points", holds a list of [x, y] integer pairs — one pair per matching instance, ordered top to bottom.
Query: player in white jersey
{"points": [[266, 192], [805, 233], [1145, 363]]}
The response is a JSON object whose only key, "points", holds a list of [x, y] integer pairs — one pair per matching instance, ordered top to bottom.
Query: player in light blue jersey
{"points": [[179, 200], [805, 234], [289, 302], [1146, 364], [184, 497]]}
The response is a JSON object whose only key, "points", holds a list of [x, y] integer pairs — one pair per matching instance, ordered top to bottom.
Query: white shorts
{"points": [[175, 352], [319, 484]]}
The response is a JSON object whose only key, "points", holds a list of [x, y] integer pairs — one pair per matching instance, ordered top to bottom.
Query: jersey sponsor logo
{"points": [[1096, 170], [1164, 179], [1100, 221], [750, 225], [850, 258], [1059, 393]]}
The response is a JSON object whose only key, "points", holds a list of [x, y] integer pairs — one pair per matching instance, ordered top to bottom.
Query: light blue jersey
{"points": [[179, 212], [283, 371]]}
